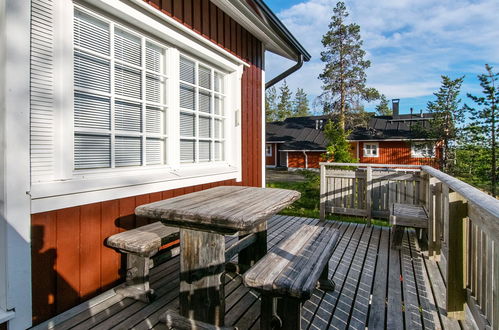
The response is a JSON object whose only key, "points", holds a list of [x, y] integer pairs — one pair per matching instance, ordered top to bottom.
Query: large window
{"points": [[120, 96], [121, 105], [202, 115], [422, 150]]}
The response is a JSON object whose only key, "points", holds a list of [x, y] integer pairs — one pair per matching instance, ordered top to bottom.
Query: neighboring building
{"points": [[109, 104], [300, 143]]}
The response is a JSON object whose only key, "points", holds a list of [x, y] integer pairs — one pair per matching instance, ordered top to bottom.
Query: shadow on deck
{"points": [[376, 287]]}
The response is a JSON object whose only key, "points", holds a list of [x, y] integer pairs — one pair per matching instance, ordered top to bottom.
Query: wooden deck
{"points": [[376, 287]]}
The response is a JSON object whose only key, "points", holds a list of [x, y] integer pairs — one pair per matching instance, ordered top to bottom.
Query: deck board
{"points": [[376, 287]]}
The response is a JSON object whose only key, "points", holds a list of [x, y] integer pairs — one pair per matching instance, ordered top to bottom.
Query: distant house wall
{"points": [[397, 152], [297, 159], [69, 257]]}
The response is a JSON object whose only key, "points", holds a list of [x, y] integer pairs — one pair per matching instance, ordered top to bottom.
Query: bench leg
{"points": [[397, 235], [250, 255], [137, 279], [325, 283], [290, 311], [268, 318]]}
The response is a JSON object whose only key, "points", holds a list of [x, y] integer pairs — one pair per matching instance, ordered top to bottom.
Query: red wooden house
{"points": [[106, 105], [299, 142]]}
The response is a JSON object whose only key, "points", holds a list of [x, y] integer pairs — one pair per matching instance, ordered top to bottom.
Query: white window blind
{"points": [[120, 95], [202, 115]]}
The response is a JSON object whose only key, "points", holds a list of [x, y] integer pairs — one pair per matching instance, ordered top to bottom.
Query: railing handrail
{"points": [[369, 165], [482, 200]]}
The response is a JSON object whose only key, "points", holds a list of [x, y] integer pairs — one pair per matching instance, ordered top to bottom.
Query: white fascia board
{"points": [[244, 15], [175, 33], [392, 140], [304, 150], [54, 196], [15, 220]]}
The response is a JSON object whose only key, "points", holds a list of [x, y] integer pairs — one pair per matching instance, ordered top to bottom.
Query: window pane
{"points": [[91, 33], [127, 47], [154, 56], [187, 70], [91, 72], [205, 77], [128, 82], [219, 82], [155, 88], [187, 97], [205, 102], [219, 103], [92, 111], [128, 116], [155, 121], [187, 124], [204, 127], [219, 129], [92, 151], [128, 151], [154, 151], [187, 151], [204, 151], [219, 151]]}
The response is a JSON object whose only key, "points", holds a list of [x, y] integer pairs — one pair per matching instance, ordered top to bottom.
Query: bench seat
{"points": [[406, 215], [140, 245], [291, 270]]}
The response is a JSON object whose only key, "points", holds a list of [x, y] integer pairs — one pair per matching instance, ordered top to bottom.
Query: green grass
{"points": [[308, 205]]}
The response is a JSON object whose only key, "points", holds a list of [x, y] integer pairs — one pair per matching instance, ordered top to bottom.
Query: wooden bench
{"points": [[406, 215], [140, 245], [288, 274]]}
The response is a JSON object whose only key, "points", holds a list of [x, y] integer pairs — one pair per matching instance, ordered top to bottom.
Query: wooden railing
{"points": [[368, 190], [463, 230], [464, 236]]}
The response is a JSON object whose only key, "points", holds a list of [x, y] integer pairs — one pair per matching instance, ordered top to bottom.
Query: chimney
{"points": [[395, 107], [411, 111], [421, 113]]}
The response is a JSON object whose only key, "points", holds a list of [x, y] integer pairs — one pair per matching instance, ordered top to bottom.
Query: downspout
{"points": [[286, 73], [306, 159]]}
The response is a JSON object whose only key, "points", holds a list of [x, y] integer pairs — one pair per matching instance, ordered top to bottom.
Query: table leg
{"points": [[250, 255], [202, 260]]}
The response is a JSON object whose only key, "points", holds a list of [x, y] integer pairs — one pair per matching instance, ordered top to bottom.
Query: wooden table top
{"points": [[220, 209]]}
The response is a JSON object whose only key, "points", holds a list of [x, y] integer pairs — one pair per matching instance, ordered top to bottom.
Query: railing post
{"points": [[369, 175], [323, 192], [433, 198], [454, 238]]}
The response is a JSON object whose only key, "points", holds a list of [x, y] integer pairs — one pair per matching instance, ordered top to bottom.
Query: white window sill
{"points": [[98, 187], [6, 316]]}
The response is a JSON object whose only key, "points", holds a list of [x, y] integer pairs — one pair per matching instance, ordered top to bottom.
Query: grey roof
{"points": [[300, 133]]}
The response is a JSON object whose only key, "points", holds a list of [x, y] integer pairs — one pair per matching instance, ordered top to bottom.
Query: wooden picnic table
{"points": [[204, 218]]}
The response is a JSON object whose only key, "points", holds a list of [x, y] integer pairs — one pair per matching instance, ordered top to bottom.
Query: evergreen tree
{"points": [[344, 76], [271, 104], [300, 104], [285, 106], [382, 108], [446, 110], [483, 118], [338, 148]]}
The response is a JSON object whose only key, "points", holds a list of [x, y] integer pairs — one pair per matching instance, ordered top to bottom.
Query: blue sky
{"points": [[410, 43]]}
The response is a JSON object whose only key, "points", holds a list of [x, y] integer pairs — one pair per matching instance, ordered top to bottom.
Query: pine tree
{"points": [[344, 76], [271, 104], [300, 104], [285, 106], [382, 108], [445, 110], [484, 117], [338, 149]]}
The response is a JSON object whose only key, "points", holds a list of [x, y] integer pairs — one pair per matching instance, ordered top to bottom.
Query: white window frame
{"points": [[268, 150], [367, 152], [418, 153], [87, 186]]}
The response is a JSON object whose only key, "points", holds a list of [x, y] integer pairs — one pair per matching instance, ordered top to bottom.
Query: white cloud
{"points": [[410, 43]]}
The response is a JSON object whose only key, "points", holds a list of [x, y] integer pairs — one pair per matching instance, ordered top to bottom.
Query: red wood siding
{"points": [[396, 152], [297, 159], [271, 160], [70, 262]]}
